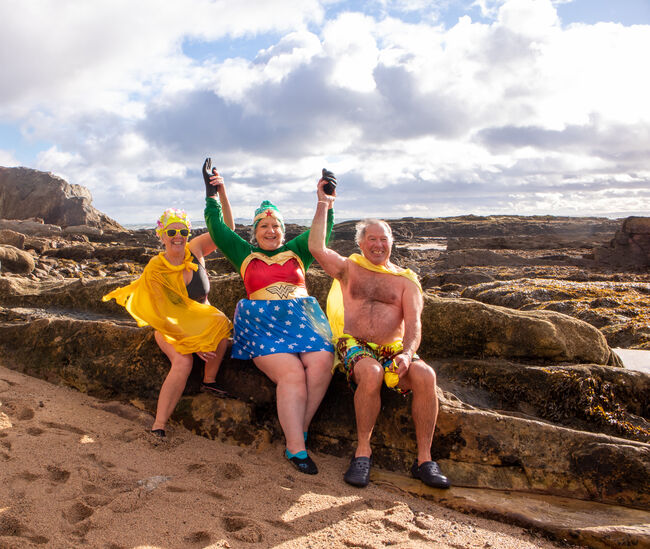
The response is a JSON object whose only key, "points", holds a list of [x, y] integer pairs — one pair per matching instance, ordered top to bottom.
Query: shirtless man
{"points": [[381, 328]]}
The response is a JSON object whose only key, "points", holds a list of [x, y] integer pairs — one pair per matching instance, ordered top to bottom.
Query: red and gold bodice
{"points": [[281, 276]]}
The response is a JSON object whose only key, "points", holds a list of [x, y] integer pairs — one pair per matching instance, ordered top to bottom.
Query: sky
{"points": [[423, 108]]}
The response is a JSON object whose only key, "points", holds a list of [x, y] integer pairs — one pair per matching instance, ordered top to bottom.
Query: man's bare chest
{"points": [[369, 287]]}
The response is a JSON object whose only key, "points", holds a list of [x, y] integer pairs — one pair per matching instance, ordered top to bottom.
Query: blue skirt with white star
{"points": [[266, 327]]}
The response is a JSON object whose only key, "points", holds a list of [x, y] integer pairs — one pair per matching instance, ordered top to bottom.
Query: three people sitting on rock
{"points": [[374, 309]]}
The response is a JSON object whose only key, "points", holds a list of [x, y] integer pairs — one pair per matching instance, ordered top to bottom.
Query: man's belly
{"points": [[377, 322]]}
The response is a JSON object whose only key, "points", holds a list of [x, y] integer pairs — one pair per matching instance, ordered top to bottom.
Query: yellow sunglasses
{"points": [[172, 232]]}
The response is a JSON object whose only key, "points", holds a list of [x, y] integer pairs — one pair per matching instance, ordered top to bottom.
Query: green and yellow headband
{"points": [[267, 209], [172, 215]]}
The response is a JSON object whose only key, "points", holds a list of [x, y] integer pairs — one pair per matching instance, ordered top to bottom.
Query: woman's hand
{"points": [[211, 178], [323, 196], [207, 355]]}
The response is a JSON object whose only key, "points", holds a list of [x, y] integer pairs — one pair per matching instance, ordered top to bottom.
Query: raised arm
{"points": [[215, 186], [225, 205], [203, 244], [331, 262]]}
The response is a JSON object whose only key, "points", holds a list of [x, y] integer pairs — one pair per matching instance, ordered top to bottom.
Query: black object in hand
{"points": [[208, 171], [329, 187]]}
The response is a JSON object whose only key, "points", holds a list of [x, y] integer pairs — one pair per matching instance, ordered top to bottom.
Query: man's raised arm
{"points": [[331, 262]]}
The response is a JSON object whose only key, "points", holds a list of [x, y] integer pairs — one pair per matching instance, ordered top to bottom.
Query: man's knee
{"points": [[368, 372], [422, 375]]}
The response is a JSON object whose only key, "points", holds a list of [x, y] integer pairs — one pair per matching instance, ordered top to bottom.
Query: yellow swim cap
{"points": [[172, 215]]}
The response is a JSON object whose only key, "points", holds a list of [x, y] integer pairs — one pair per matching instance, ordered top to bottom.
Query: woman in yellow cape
{"points": [[171, 296]]}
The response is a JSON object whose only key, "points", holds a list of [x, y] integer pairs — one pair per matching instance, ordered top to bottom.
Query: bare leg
{"points": [[212, 365], [288, 373], [318, 373], [368, 375], [421, 379], [174, 384]]}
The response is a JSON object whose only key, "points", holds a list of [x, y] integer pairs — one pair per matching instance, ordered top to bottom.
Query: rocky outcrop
{"points": [[27, 193], [493, 225], [30, 226], [17, 240], [548, 242], [630, 247], [462, 258], [14, 260], [618, 309], [464, 327], [504, 423], [479, 447]]}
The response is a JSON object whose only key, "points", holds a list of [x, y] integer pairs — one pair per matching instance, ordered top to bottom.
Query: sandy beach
{"points": [[79, 472]]}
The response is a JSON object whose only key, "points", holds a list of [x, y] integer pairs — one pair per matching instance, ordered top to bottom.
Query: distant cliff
{"points": [[27, 194]]}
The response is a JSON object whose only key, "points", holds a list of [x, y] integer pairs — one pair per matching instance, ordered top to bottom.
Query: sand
{"points": [[79, 472]]}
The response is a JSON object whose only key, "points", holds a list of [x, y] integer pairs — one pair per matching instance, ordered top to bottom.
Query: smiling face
{"points": [[268, 234], [177, 242], [376, 243]]}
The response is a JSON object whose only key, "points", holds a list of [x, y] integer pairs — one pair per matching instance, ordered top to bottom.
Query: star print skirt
{"points": [[264, 327]]}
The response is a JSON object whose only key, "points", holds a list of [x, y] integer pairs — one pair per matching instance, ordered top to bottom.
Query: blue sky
{"points": [[421, 107]]}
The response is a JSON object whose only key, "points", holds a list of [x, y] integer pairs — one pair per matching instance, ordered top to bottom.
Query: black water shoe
{"points": [[304, 465], [429, 473], [358, 474]]}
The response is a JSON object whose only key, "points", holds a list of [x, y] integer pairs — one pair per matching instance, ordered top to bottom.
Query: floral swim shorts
{"points": [[351, 350]]}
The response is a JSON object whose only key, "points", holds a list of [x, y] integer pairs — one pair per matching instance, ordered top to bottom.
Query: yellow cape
{"points": [[159, 299], [335, 313]]}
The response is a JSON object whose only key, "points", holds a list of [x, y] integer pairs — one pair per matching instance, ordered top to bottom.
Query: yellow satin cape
{"points": [[159, 299], [335, 312]]}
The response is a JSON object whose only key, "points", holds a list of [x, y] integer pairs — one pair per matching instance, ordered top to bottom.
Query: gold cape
{"points": [[159, 299], [335, 313]]}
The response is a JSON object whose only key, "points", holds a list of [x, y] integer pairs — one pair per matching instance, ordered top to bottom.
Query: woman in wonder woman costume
{"points": [[171, 295], [280, 327]]}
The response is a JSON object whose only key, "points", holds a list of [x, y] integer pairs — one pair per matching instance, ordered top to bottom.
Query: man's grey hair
{"points": [[363, 225]]}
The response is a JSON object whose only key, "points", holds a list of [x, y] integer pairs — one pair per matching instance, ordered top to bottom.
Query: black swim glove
{"points": [[208, 170], [329, 187]]}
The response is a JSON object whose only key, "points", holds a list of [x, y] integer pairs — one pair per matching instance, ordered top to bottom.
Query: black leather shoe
{"points": [[429, 473], [358, 474]]}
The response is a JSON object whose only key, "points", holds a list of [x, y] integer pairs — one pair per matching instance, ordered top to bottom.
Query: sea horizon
{"points": [[200, 223]]}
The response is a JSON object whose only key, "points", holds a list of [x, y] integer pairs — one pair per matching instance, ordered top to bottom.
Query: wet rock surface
{"points": [[532, 398]]}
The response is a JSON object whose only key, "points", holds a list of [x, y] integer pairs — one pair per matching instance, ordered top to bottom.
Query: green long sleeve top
{"points": [[237, 250]]}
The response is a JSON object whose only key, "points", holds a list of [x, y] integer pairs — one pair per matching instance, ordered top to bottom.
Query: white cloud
{"points": [[531, 18], [351, 45], [516, 113], [8, 159]]}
